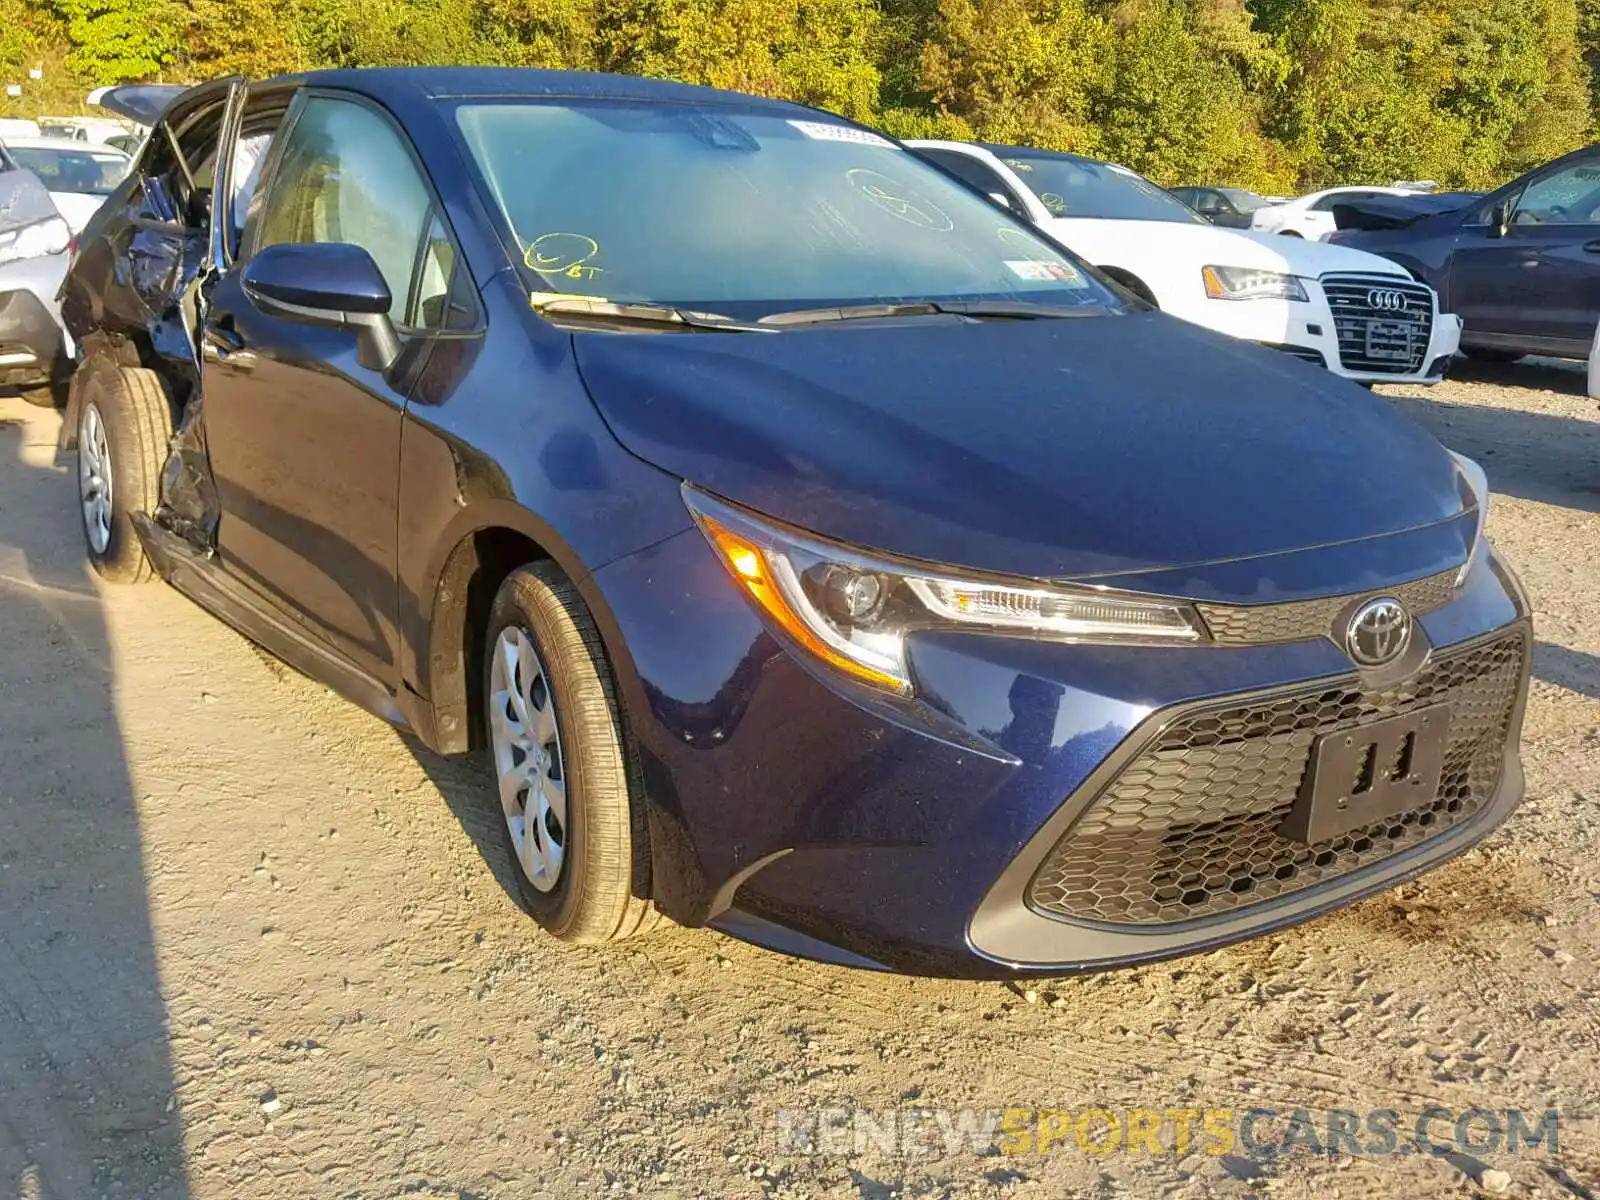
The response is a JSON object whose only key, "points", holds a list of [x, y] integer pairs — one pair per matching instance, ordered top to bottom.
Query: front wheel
{"points": [[1294, 233], [569, 797]]}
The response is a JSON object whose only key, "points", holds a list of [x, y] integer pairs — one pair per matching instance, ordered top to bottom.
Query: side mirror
{"points": [[1003, 200], [1500, 220], [332, 284]]}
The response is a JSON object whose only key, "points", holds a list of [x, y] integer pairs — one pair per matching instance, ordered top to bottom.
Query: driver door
{"points": [[305, 439]]}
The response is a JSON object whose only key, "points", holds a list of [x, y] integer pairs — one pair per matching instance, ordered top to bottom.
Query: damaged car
{"points": [[1521, 264], [843, 565]]}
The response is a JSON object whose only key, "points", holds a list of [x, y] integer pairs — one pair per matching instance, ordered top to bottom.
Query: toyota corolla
{"points": [[813, 550]]}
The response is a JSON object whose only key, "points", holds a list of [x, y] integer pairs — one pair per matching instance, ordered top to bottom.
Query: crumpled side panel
{"points": [[188, 504]]}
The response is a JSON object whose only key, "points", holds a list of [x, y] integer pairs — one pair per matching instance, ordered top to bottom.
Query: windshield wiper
{"points": [[997, 309], [650, 314]]}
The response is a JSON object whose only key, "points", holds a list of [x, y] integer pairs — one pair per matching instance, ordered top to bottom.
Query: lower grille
{"points": [[1383, 323], [1303, 353], [1189, 828]]}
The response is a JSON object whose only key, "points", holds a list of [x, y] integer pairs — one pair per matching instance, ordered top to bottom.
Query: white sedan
{"points": [[78, 175], [1311, 217], [1359, 315]]}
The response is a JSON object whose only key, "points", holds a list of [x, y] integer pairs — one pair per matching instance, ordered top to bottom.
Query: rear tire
{"points": [[1294, 233], [124, 428], [568, 784]]}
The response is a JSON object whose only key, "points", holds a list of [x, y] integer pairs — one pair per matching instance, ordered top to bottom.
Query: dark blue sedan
{"points": [[816, 552]]}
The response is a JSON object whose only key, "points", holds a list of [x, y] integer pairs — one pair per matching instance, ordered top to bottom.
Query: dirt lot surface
{"points": [[253, 943]]}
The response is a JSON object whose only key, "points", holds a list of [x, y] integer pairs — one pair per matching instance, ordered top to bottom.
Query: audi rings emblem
{"points": [[1386, 300]]}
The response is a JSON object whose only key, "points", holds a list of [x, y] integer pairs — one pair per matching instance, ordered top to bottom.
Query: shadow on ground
{"points": [[1534, 455], [86, 1084]]}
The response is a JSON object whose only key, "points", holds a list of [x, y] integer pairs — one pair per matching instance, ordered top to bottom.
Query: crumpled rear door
{"points": [[188, 505]]}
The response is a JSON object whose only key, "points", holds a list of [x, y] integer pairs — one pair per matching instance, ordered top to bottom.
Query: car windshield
{"points": [[69, 169], [1081, 187], [1243, 201], [747, 212]]}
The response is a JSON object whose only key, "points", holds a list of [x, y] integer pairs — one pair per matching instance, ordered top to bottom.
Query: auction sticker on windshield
{"points": [[825, 131], [1050, 272]]}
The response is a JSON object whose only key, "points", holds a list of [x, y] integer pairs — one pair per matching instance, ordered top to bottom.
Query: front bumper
{"points": [[1312, 331], [33, 344], [799, 811]]}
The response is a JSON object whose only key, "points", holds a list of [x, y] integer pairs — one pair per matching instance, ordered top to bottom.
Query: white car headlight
{"points": [[49, 236], [1247, 283], [853, 610]]}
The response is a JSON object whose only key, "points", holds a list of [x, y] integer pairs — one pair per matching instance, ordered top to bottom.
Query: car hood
{"points": [[1127, 243], [1051, 448]]}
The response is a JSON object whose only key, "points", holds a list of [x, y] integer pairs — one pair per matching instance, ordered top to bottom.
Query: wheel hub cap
{"points": [[94, 478], [527, 758]]}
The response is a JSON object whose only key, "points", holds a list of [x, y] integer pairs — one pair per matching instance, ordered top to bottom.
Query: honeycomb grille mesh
{"points": [[1300, 619], [1189, 828]]}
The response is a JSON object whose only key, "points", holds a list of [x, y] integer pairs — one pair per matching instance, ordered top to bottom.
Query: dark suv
{"points": [[1521, 266]]}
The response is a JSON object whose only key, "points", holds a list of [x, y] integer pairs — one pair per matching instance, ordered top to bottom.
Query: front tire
{"points": [[124, 427], [569, 797]]}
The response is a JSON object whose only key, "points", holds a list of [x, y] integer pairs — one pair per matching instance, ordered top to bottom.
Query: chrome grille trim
{"points": [[1363, 329]]}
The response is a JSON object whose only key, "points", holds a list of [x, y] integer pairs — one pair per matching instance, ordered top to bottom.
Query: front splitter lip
{"points": [[1007, 933]]}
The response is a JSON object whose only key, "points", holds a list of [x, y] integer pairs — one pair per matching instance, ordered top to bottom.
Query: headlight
{"points": [[49, 236], [1247, 283], [1478, 485], [853, 610]]}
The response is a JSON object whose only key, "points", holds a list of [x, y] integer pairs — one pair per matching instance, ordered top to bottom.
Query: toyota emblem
{"points": [[1387, 300], [1378, 633]]}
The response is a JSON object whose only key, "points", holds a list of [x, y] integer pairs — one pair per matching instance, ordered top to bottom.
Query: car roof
{"points": [[439, 83], [59, 143], [1001, 149]]}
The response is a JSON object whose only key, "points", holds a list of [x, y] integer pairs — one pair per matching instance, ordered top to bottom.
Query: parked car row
{"points": [[1355, 314], [843, 561]]}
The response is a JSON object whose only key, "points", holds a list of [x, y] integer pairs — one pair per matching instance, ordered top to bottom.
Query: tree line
{"points": [[1278, 95]]}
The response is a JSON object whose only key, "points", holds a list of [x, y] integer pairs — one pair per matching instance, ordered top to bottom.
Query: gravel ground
{"points": [[253, 943]]}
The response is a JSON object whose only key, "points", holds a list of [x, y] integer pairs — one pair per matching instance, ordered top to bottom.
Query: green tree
{"points": [[118, 40]]}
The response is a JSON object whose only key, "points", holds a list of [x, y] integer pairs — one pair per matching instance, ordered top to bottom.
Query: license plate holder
{"points": [[1389, 340], [1361, 775]]}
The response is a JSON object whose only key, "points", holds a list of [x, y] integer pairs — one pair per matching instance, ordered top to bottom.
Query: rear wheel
{"points": [[1294, 233], [124, 426], [569, 797]]}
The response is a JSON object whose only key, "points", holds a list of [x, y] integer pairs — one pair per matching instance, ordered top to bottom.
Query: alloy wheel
{"points": [[94, 478], [527, 757]]}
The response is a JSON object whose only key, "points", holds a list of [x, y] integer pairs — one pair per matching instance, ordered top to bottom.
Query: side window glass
{"points": [[346, 176], [1570, 196], [1327, 202], [438, 299]]}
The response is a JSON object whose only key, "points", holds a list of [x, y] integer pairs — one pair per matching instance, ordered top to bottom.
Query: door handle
{"points": [[1592, 247]]}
